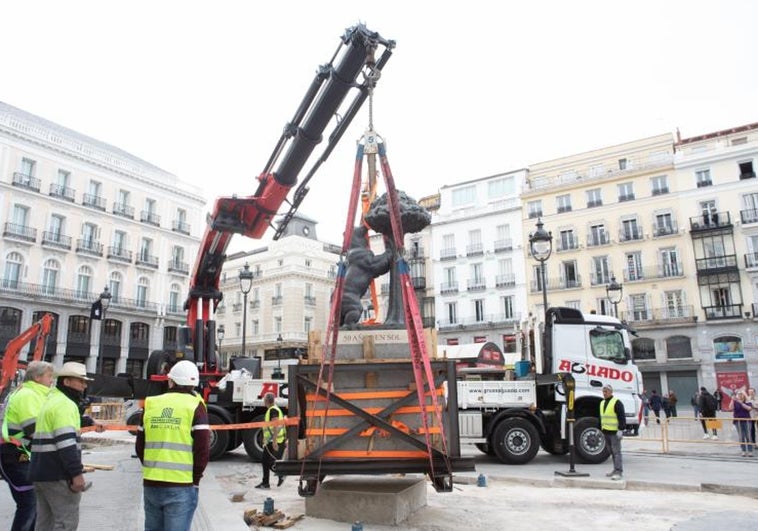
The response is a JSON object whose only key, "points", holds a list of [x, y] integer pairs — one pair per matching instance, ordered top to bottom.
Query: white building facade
{"points": [[79, 215]]}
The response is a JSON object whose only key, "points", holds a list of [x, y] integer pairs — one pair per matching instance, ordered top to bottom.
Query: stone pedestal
{"points": [[371, 500]]}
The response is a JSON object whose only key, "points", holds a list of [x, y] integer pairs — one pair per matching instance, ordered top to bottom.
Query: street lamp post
{"points": [[541, 245], [246, 283], [614, 291], [105, 302], [220, 333], [277, 373]]}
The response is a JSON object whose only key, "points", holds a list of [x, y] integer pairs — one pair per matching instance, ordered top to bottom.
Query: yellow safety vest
{"points": [[23, 407], [608, 419], [167, 423], [268, 431]]}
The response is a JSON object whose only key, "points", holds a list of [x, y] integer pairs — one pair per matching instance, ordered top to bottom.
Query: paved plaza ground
{"points": [[696, 487]]}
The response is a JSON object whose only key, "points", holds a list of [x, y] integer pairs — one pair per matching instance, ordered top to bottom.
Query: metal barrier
{"points": [[107, 412], [689, 431]]}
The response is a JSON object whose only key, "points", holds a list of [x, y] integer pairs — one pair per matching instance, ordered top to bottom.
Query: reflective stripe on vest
{"points": [[608, 419], [167, 425], [268, 432]]}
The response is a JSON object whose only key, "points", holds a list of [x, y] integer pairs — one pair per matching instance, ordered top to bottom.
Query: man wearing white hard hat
{"points": [[173, 443], [56, 464]]}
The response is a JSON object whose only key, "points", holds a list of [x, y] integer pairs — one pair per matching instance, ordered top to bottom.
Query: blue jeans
{"points": [[743, 428], [16, 475], [169, 508]]}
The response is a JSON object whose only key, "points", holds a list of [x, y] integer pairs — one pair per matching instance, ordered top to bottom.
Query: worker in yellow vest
{"points": [[19, 422], [613, 424], [273, 441], [173, 443], [56, 468]]}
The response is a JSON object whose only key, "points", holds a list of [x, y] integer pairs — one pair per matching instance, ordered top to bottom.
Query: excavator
{"points": [[38, 333]]}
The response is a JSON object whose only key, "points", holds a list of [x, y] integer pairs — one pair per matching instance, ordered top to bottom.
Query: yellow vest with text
{"points": [[608, 419], [167, 423], [268, 431]]}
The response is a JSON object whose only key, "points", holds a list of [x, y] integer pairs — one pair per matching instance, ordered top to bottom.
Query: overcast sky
{"points": [[203, 90]]}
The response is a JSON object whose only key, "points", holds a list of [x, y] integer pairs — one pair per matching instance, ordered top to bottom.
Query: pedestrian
{"points": [[719, 396], [694, 399], [672, 403], [655, 404], [707, 405], [645, 406], [666, 406], [741, 410], [753, 412], [19, 422], [613, 424], [273, 442], [173, 444], [56, 463]]}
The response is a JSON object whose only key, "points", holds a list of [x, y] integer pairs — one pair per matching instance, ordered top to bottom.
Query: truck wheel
{"points": [[219, 438], [253, 441], [515, 441], [589, 441], [485, 448], [552, 450]]}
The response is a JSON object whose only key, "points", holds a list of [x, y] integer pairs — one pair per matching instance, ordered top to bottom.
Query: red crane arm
{"points": [[251, 216], [39, 331]]}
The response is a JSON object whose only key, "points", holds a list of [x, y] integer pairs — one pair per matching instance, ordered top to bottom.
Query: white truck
{"points": [[512, 417]]}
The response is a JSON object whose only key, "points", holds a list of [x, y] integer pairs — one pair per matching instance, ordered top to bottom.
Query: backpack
{"points": [[709, 402]]}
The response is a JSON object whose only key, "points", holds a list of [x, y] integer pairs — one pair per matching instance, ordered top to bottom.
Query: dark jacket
{"points": [[655, 402]]}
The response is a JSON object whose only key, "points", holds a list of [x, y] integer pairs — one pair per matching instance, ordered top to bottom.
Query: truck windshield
{"points": [[607, 344]]}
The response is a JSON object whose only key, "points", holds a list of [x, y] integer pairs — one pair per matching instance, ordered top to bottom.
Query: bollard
{"points": [[481, 481], [268, 506], [357, 526]]}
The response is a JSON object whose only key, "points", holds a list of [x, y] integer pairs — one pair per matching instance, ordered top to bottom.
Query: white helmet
{"points": [[184, 373]]}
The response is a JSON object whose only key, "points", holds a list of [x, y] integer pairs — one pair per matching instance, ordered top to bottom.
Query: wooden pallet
{"points": [[277, 519]]}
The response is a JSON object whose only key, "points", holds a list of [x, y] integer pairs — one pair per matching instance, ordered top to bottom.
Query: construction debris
{"points": [[278, 520]]}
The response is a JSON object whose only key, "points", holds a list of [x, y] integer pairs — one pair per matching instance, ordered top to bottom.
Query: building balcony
{"points": [[26, 181], [660, 191], [62, 192], [627, 197], [94, 201], [593, 204], [123, 210], [749, 216], [150, 217], [711, 221], [180, 226], [660, 231], [24, 233], [631, 235], [598, 239], [57, 240], [568, 244], [503, 245], [89, 246], [475, 249], [119, 254], [448, 254], [147, 260], [751, 260], [716, 264], [177, 266], [675, 270], [597, 279], [505, 281], [418, 282], [476, 285], [449, 287], [44, 292], [309, 300], [277, 301], [255, 304], [237, 307], [726, 311], [655, 316]]}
